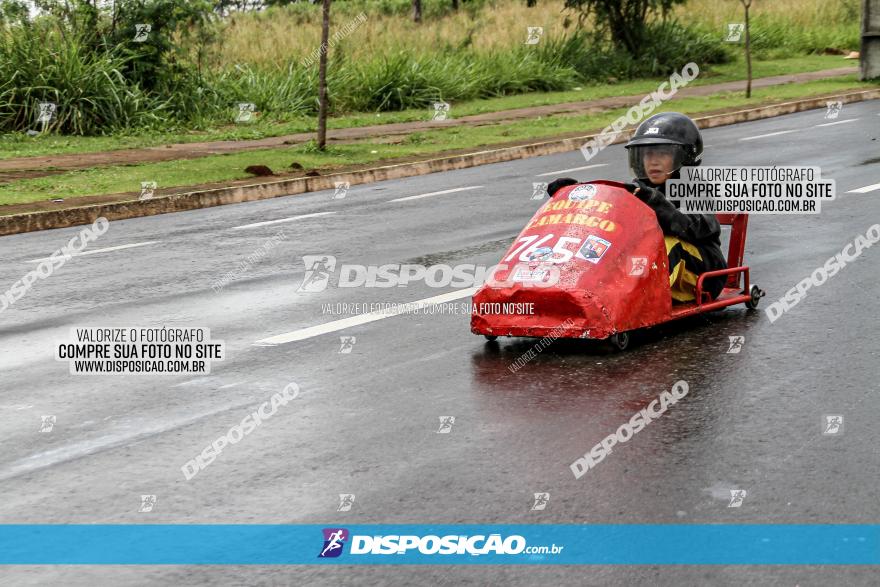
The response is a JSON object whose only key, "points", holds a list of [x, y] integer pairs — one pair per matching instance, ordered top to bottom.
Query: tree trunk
{"points": [[455, 4], [417, 10], [624, 26], [748, 55], [322, 76]]}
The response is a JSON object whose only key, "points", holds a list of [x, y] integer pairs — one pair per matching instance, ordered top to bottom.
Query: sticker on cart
{"points": [[582, 192], [593, 249], [541, 254], [531, 275]]}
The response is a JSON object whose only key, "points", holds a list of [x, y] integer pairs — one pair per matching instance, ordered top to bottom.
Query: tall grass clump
{"points": [[782, 28], [670, 46], [198, 66], [91, 93]]}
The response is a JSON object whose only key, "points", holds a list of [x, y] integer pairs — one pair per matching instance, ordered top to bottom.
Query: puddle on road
{"points": [[605, 383]]}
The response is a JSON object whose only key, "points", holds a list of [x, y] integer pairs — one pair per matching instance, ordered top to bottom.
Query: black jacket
{"points": [[700, 230]]}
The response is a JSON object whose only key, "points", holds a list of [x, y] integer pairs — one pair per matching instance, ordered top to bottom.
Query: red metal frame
{"points": [[736, 249], [732, 294]]}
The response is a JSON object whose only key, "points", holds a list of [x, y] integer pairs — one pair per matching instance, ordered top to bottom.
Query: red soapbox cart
{"points": [[592, 264]]}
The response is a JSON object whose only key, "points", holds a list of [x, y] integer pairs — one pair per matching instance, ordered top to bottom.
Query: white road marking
{"points": [[838, 122], [769, 134], [572, 169], [866, 189], [453, 190], [280, 220], [94, 251], [342, 324], [188, 382], [124, 433]]}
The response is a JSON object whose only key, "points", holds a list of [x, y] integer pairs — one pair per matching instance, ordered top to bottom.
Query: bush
{"points": [[775, 38], [668, 47], [83, 59], [85, 62], [401, 81], [291, 90], [91, 93]]}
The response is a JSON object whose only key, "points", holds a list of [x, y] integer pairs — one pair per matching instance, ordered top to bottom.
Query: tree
{"points": [[747, 4], [417, 10], [623, 20], [111, 27], [322, 76]]}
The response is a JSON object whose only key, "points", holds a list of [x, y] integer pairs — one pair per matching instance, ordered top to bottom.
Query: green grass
{"points": [[190, 79], [103, 86], [20, 145], [118, 179]]}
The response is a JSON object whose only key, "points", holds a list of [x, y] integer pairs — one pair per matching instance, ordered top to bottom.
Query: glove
{"points": [[558, 184], [644, 192], [671, 221]]}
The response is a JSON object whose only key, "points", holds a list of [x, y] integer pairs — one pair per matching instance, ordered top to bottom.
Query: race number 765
{"points": [[528, 245]]}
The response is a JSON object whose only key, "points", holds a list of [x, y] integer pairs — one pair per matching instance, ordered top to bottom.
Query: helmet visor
{"points": [[655, 163]]}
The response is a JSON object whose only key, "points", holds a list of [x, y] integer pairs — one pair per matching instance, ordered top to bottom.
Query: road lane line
{"points": [[838, 122], [769, 134], [572, 169], [866, 189], [453, 190], [280, 220], [94, 251], [342, 324], [123, 434]]}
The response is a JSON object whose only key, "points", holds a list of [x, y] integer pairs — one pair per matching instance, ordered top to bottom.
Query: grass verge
{"points": [[20, 145], [223, 168]]}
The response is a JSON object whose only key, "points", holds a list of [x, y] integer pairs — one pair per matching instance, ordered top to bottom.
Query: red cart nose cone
{"points": [[606, 252]]}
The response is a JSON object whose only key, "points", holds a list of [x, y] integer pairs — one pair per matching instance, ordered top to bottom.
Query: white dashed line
{"points": [[838, 122], [769, 134], [572, 169], [866, 189], [453, 190], [280, 220], [95, 251], [336, 325]]}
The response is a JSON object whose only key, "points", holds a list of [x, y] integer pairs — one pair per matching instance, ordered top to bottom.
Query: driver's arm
{"points": [[695, 228]]}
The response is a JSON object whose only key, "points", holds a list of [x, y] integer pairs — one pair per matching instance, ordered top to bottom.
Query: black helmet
{"points": [[672, 133]]}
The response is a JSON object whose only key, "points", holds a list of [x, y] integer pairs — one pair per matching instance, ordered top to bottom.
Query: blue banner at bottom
{"points": [[636, 544]]}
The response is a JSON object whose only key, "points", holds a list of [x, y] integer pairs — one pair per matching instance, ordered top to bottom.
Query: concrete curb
{"points": [[33, 221]]}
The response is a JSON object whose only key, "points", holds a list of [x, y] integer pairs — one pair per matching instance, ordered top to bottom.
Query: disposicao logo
{"points": [[334, 540]]}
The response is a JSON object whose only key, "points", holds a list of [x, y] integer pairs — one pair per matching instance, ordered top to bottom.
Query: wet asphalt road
{"points": [[365, 422]]}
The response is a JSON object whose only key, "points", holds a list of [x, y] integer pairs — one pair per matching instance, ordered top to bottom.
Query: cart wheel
{"points": [[757, 293], [490, 337], [619, 340]]}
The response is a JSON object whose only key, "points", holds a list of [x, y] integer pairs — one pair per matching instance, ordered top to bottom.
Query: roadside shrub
{"points": [[669, 46], [196, 69], [91, 92]]}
